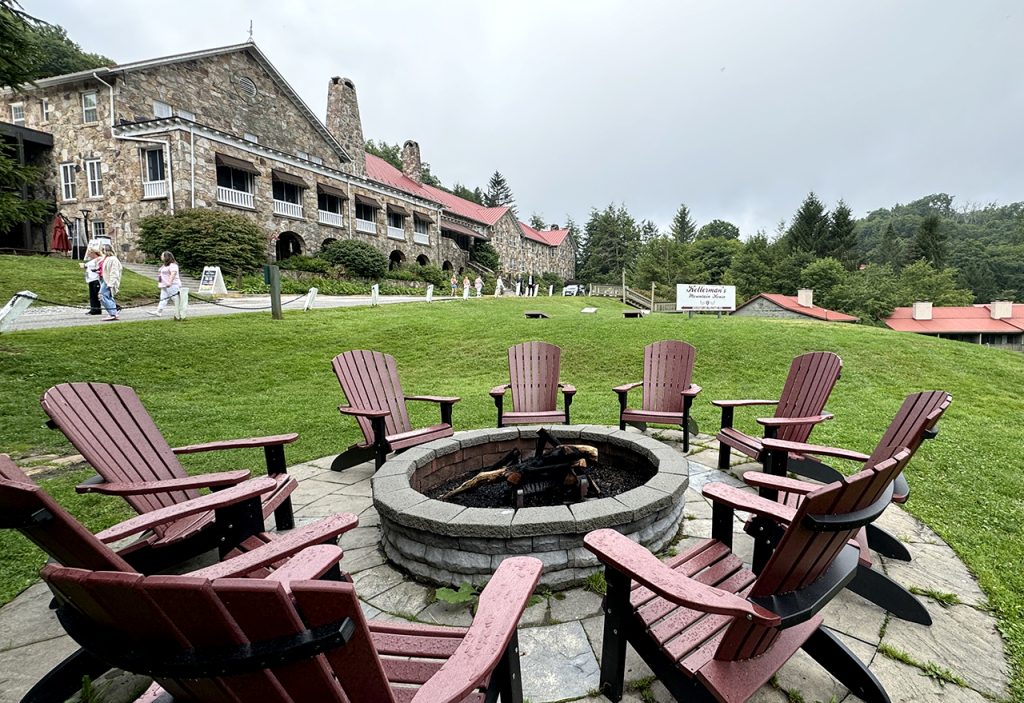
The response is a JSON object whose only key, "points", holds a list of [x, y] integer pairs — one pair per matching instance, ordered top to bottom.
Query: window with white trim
{"points": [[44, 109], [161, 109], [18, 113], [90, 113], [187, 115], [249, 137], [317, 160], [153, 166], [95, 177], [67, 181], [396, 220], [421, 226], [99, 229]]}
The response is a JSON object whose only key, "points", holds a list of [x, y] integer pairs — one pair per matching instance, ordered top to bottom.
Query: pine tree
{"points": [[499, 194], [537, 221], [810, 227], [683, 229], [648, 231], [612, 239], [929, 242], [841, 243], [890, 249]]}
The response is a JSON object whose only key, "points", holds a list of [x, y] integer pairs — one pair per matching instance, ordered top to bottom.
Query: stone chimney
{"points": [[343, 122], [411, 164], [552, 227], [805, 298], [1001, 309], [922, 311]]}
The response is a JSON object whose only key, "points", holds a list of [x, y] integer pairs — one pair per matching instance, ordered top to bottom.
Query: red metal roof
{"points": [[551, 237], [789, 302], [966, 319]]}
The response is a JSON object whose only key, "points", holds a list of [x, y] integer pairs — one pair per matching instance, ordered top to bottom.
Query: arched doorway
{"points": [[288, 244], [396, 260], [422, 260], [446, 266]]}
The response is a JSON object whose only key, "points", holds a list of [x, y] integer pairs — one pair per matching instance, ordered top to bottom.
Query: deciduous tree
{"points": [[718, 229]]}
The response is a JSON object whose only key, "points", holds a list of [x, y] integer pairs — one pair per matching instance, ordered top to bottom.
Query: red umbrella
{"points": [[60, 235]]}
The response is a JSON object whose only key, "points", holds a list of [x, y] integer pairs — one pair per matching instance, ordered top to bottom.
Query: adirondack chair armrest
{"points": [[627, 387], [567, 388], [499, 391], [692, 391], [441, 399], [742, 403], [362, 412], [791, 421], [246, 443], [815, 449], [218, 480], [784, 484], [230, 496], [738, 499], [283, 546], [634, 560], [309, 564], [500, 607]]}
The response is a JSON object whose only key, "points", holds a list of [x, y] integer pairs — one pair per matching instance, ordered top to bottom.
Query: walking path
{"points": [[560, 637]]}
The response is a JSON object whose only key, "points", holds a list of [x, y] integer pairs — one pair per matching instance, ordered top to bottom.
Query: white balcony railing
{"points": [[154, 189], [238, 198], [282, 207], [330, 218], [368, 226], [395, 232], [421, 238]]}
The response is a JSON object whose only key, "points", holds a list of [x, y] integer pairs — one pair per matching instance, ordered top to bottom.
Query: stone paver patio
{"points": [[560, 636]]}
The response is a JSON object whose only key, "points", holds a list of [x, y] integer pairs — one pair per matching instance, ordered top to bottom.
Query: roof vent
{"points": [[246, 86], [805, 298]]}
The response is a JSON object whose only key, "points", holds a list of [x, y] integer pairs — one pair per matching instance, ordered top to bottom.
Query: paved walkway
{"points": [[560, 637]]}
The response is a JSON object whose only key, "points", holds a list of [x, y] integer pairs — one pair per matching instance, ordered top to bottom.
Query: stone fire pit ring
{"points": [[448, 544]]}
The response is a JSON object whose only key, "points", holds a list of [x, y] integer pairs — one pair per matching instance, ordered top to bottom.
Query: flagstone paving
{"points": [[560, 635]]}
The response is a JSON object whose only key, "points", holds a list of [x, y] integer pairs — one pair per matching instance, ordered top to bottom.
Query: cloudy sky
{"points": [[737, 109]]}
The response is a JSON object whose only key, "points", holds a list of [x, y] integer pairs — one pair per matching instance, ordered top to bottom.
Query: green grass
{"points": [[61, 280], [244, 375]]}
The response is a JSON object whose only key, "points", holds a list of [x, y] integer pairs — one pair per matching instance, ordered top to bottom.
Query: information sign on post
{"points": [[212, 281], [703, 298]]}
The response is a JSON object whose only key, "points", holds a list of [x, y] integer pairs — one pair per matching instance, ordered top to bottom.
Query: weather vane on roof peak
{"points": [[250, 30]]}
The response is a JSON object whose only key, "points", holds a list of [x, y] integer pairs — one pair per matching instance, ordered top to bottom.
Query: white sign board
{"points": [[212, 281], [698, 296]]}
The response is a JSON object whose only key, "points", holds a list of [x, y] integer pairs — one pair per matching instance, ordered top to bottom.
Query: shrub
{"points": [[199, 238], [486, 255], [358, 258], [306, 263], [433, 274], [549, 278]]}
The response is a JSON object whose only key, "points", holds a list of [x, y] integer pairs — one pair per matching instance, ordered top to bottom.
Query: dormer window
{"points": [[161, 109], [90, 113], [18, 114]]}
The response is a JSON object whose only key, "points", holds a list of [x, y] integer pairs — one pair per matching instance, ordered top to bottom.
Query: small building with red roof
{"points": [[794, 307], [999, 323]]}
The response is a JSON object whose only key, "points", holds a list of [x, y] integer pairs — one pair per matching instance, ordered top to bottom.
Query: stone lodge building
{"points": [[222, 128]]}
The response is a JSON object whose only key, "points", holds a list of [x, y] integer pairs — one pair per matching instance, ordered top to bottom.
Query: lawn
{"points": [[61, 280], [243, 375]]}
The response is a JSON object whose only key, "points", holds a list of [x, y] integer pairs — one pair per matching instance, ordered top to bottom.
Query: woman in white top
{"points": [[92, 277], [110, 281], [168, 281]]}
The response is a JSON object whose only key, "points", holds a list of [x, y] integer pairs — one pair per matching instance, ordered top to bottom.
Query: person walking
{"points": [[92, 277], [110, 281], [168, 281], [455, 284], [479, 285], [499, 287], [465, 288]]}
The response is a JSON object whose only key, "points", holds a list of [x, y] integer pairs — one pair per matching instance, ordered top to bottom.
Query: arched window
{"points": [[288, 244]]}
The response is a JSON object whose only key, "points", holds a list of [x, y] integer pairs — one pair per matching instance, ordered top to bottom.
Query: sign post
{"points": [[274, 279], [212, 281], [430, 292], [374, 293], [697, 297], [310, 299], [181, 304], [15, 306]]}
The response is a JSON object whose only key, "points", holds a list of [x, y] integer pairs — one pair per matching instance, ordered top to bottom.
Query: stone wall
{"points": [[521, 255], [765, 308]]}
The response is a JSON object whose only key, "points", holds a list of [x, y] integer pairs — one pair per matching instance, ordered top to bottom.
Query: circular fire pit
{"points": [[450, 544]]}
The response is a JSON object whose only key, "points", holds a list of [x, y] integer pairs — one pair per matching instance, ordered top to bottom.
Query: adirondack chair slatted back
{"points": [[668, 368], [533, 375], [811, 379], [369, 380], [920, 412], [109, 426], [28, 508], [804, 554], [160, 616]]}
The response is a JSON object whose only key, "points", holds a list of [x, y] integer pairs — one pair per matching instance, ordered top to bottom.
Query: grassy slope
{"points": [[61, 280], [245, 375]]}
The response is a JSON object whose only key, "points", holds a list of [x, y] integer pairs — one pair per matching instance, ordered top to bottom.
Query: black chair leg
{"points": [[886, 544], [885, 593], [613, 646], [836, 658], [65, 679], [507, 680]]}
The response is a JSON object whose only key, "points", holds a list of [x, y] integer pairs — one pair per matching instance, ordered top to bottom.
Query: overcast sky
{"points": [[737, 109]]}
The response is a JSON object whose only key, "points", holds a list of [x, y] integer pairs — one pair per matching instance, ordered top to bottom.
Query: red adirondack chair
{"points": [[533, 372], [370, 382], [667, 390], [800, 407], [916, 420], [110, 427], [24, 506], [712, 629], [290, 639]]}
